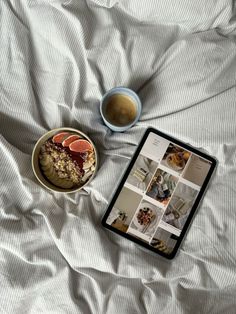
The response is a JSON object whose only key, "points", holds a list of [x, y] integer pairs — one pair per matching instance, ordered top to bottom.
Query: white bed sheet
{"points": [[57, 58]]}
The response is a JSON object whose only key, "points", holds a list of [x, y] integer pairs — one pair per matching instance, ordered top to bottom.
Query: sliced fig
{"points": [[60, 137], [70, 139], [80, 146]]}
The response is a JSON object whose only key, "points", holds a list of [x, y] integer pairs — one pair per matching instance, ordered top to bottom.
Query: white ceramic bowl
{"points": [[35, 160]]}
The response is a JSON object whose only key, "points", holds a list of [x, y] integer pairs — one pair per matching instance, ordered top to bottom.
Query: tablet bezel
{"points": [[194, 207]]}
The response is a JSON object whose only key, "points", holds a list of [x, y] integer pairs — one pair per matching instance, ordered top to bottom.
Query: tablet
{"points": [[159, 192]]}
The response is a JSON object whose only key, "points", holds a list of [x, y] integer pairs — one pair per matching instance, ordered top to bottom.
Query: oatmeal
{"points": [[67, 163]]}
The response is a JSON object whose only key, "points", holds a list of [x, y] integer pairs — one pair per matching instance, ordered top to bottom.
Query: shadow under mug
{"points": [[120, 91]]}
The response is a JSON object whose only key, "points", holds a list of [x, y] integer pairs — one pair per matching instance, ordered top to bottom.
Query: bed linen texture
{"points": [[57, 59]]}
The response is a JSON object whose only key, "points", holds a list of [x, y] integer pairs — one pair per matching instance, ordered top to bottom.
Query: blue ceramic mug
{"points": [[107, 104]]}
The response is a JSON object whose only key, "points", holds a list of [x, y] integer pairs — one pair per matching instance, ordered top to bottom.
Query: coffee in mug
{"points": [[120, 110]]}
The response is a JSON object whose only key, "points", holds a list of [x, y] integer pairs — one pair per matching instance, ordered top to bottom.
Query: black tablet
{"points": [[159, 193]]}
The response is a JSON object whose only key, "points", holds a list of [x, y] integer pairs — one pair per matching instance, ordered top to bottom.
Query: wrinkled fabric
{"points": [[57, 59]]}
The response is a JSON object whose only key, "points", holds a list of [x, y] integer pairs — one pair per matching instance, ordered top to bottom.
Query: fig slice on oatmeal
{"points": [[60, 137], [70, 139], [80, 146]]}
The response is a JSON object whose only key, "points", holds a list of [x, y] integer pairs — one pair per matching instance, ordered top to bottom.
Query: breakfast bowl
{"points": [[64, 160]]}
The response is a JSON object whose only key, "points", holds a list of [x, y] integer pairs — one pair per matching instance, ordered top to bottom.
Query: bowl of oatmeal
{"points": [[64, 160]]}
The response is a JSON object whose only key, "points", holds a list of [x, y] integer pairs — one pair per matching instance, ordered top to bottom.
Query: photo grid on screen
{"points": [[159, 193]]}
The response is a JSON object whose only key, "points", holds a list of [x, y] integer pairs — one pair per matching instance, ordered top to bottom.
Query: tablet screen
{"points": [[156, 197]]}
